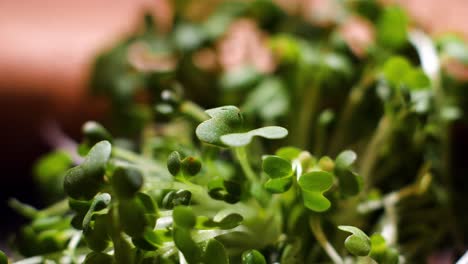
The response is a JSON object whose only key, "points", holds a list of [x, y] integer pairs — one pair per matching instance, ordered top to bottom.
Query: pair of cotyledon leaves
{"points": [[225, 129], [313, 184]]}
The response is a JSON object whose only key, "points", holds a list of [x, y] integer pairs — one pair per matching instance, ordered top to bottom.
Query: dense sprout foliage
{"points": [[310, 150]]}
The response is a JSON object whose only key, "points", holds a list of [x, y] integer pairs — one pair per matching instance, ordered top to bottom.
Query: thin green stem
{"points": [[354, 100], [309, 105], [193, 110], [371, 153], [241, 155], [316, 228]]}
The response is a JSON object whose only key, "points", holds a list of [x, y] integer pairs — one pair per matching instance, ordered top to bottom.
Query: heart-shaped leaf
{"points": [[224, 120], [243, 139], [276, 167], [280, 172], [313, 185], [358, 243]]}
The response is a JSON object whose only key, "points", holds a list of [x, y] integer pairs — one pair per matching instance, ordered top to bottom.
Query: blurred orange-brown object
{"points": [[46, 51]]}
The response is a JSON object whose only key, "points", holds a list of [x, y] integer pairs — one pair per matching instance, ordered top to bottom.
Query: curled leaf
{"points": [[224, 120], [358, 243]]}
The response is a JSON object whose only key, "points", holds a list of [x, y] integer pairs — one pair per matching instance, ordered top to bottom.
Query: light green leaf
{"points": [[392, 28], [269, 100], [224, 120], [243, 139], [279, 185], [313, 185], [358, 243], [215, 253], [253, 257]]}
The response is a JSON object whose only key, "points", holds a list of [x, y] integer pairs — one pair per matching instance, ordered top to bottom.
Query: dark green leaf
{"points": [[173, 163], [191, 166], [276, 167], [85, 180], [126, 182], [132, 216], [3, 258], [98, 258]]}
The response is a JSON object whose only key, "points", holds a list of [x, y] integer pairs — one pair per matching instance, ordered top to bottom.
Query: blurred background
{"points": [[47, 49]]}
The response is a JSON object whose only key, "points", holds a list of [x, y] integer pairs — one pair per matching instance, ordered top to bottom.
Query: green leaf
{"points": [[392, 28], [395, 68], [240, 78], [416, 79], [269, 100], [224, 120], [94, 132], [243, 139], [288, 153], [345, 159], [174, 163], [51, 166], [191, 166], [276, 167], [85, 180], [126, 182], [349, 182], [279, 185], [313, 185], [99, 202], [183, 216], [132, 217], [229, 221], [96, 236], [184, 242], [358, 243], [380, 252], [215, 253], [253, 257], [3, 258], [98, 258]]}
